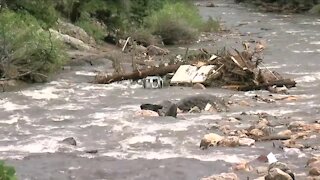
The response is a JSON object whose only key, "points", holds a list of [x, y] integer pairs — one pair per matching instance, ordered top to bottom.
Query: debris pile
{"points": [[243, 71]]}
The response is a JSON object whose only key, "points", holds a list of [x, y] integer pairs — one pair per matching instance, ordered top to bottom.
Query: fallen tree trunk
{"points": [[138, 74], [279, 83]]}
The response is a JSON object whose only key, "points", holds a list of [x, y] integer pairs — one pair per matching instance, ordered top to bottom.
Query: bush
{"points": [[315, 9], [43, 10], [179, 22], [175, 23], [210, 25], [93, 28], [144, 37], [28, 52], [7, 172]]}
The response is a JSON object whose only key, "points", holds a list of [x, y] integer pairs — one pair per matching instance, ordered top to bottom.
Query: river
{"points": [[102, 117]]}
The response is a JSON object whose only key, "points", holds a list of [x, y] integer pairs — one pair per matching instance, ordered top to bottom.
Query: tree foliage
{"points": [[27, 51], [7, 172]]}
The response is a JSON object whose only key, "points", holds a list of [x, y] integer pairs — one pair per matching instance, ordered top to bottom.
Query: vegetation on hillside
{"points": [[27, 51], [30, 53]]}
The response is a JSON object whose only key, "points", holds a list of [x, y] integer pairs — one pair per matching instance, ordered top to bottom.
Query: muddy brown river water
{"points": [[102, 117]]}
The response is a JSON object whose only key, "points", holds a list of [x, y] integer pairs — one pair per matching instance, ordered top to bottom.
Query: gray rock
{"points": [[201, 101], [152, 107], [165, 108], [168, 109], [195, 109], [70, 141], [92, 151], [275, 174], [222, 176]]}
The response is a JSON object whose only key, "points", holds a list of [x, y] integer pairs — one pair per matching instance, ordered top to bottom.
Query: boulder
{"points": [[75, 31], [73, 42], [153, 50], [198, 86], [201, 101], [151, 107], [165, 108], [168, 109], [195, 109], [147, 113], [256, 133], [285, 133], [211, 139], [69, 141], [230, 141], [246, 142], [91, 151], [312, 160], [244, 166], [262, 170], [279, 171], [314, 171], [277, 174], [222, 176]]}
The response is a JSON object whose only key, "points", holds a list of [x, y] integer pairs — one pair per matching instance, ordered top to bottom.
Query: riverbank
{"points": [[311, 7]]}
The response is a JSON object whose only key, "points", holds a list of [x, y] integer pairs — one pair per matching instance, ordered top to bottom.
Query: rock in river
{"points": [[201, 101], [165, 108], [168, 109], [211, 139], [70, 141], [223, 176]]}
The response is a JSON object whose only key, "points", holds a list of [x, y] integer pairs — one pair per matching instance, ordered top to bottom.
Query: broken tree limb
{"points": [[138, 74], [279, 83]]}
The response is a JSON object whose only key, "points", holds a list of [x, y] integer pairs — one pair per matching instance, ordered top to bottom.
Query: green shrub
{"points": [[315, 9], [43, 10], [175, 23], [210, 25], [93, 28], [144, 37], [28, 52], [7, 172]]}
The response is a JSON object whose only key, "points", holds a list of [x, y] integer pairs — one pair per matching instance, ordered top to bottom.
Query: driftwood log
{"points": [[138, 74], [279, 83]]}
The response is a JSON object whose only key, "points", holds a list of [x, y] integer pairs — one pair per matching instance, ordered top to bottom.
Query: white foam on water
{"points": [[311, 23], [294, 31], [315, 42], [305, 51], [85, 73], [308, 78], [97, 87], [46, 93], [10, 106], [71, 107], [135, 107], [274, 112], [61, 118], [14, 119], [105, 119], [139, 139], [167, 140], [39, 144], [181, 153], [74, 168]]}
